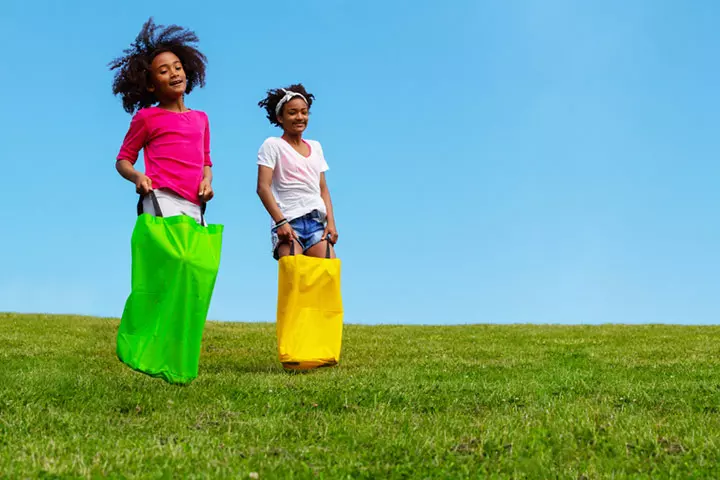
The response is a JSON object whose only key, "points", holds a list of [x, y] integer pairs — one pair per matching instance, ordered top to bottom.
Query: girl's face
{"points": [[167, 75], [294, 116]]}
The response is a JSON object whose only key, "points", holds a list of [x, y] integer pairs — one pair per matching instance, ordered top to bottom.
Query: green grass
{"points": [[406, 402]]}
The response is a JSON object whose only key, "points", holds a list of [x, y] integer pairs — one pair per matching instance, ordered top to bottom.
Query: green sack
{"points": [[174, 266]]}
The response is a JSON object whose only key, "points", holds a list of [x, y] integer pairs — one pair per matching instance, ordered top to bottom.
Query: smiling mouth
{"points": [[175, 83]]}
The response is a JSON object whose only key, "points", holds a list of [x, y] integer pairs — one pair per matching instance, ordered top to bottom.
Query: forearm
{"points": [[127, 171], [207, 174], [325, 194], [268, 201]]}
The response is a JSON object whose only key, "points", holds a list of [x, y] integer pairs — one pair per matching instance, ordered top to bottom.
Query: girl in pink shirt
{"points": [[153, 76]]}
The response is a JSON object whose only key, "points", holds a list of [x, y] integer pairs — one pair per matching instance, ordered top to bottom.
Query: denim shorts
{"points": [[309, 228]]}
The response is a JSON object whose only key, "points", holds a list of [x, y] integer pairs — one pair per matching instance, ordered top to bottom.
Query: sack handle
{"points": [[156, 204], [158, 211], [328, 242], [327, 248]]}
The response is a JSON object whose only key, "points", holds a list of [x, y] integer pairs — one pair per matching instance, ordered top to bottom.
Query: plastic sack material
{"points": [[175, 263], [309, 311]]}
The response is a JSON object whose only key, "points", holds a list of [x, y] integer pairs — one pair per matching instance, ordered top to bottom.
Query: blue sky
{"points": [[543, 161]]}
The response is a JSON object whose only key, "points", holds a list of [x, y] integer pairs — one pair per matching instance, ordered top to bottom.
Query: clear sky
{"points": [[491, 161]]}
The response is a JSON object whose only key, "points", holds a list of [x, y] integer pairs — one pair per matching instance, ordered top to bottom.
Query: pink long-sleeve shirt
{"points": [[176, 148]]}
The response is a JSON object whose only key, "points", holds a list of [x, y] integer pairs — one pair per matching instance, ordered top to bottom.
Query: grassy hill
{"points": [[406, 402]]}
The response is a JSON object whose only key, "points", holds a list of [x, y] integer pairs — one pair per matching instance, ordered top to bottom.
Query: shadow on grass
{"points": [[268, 367]]}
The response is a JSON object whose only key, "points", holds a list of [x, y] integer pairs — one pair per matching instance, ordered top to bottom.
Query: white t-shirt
{"points": [[296, 179]]}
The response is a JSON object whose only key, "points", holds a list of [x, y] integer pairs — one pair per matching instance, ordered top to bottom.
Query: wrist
{"points": [[280, 223]]}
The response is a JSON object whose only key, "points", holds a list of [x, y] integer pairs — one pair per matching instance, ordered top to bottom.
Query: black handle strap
{"points": [[154, 200], [328, 242]]}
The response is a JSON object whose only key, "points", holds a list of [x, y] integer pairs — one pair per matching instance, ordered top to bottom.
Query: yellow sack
{"points": [[309, 311]]}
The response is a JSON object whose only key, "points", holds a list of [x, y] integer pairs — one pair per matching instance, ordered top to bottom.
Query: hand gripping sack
{"points": [[175, 263], [309, 311]]}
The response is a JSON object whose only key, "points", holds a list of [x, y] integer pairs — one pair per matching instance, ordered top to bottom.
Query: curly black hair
{"points": [[133, 77], [274, 96]]}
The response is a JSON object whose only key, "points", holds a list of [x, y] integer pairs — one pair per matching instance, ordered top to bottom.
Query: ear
{"points": [[151, 87]]}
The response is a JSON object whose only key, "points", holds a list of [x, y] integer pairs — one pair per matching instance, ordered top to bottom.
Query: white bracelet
{"points": [[280, 224]]}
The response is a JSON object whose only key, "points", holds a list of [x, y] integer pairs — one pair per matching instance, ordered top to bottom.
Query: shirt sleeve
{"points": [[135, 139], [267, 155], [208, 162], [323, 164]]}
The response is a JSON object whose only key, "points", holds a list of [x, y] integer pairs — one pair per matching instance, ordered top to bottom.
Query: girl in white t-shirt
{"points": [[291, 178]]}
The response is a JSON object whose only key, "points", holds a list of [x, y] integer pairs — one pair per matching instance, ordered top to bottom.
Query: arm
{"points": [[135, 139], [143, 184], [264, 191], [206, 192], [331, 229]]}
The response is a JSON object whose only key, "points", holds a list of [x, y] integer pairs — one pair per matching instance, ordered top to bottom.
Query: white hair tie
{"points": [[289, 95]]}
